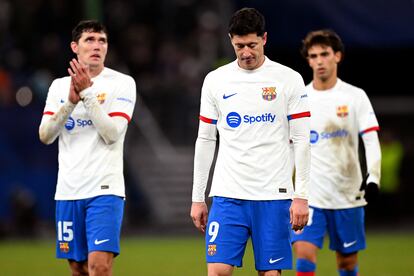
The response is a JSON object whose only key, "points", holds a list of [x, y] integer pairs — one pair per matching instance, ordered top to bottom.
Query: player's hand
{"points": [[80, 75], [73, 96], [371, 190], [299, 213], [199, 215]]}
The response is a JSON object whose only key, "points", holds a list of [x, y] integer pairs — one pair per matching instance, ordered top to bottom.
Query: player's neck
{"points": [[94, 71], [324, 84]]}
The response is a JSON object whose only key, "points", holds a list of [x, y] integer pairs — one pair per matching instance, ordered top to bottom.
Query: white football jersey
{"points": [[251, 109], [339, 116], [87, 166]]}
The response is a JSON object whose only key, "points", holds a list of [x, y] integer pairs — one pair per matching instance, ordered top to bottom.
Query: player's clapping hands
{"points": [[80, 75]]}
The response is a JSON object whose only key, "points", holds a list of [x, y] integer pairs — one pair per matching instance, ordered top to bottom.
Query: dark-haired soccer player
{"points": [[255, 105], [89, 111], [340, 114]]}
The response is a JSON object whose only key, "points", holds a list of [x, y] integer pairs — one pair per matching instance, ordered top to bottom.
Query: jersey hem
{"points": [[73, 197]]}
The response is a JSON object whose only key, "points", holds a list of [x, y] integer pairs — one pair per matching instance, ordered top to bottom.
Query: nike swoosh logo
{"points": [[228, 96], [98, 242], [348, 244], [271, 261]]}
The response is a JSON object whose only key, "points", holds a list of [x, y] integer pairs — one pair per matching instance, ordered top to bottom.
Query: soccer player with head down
{"points": [[255, 105], [89, 111], [340, 114]]}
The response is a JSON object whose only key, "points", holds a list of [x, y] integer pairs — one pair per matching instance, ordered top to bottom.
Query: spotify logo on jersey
{"points": [[233, 119], [70, 124], [314, 137]]}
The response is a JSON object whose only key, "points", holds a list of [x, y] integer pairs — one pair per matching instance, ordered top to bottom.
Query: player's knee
{"points": [[305, 250], [347, 261], [100, 268], [78, 269], [219, 269], [270, 273]]}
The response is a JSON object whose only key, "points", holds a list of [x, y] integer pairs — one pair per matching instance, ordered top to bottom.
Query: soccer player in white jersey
{"points": [[254, 104], [89, 111], [340, 114]]}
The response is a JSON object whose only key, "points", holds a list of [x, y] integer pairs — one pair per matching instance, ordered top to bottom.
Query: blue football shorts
{"points": [[232, 221], [86, 225], [345, 227]]}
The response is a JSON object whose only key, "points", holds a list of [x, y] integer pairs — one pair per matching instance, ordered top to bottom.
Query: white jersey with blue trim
{"points": [[252, 109], [339, 116], [88, 166]]}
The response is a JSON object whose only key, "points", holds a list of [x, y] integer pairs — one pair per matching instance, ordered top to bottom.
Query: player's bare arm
{"points": [[199, 215]]}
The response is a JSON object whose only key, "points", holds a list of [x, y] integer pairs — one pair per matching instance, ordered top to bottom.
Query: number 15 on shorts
{"points": [[65, 232]]}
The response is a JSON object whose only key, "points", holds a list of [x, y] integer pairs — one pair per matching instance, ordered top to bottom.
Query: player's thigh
{"points": [[103, 223], [70, 229], [315, 229], [347, 230], [227, 231], [271, 234]]}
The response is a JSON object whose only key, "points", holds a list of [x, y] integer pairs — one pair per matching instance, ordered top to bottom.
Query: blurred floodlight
{"points": [[24, 96]]}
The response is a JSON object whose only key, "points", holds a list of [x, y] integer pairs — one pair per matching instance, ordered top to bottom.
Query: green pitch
{"points": [[387, 255]]}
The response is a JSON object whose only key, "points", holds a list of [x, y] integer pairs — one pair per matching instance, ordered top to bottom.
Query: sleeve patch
{"points": [[120, 114], [299, 115], [207, 120], [375, 128]]}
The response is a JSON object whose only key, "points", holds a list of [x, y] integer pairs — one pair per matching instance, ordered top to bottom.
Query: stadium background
{"points": [[168, 46]]}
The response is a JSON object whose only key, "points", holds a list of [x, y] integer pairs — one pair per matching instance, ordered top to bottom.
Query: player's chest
{"points": [[251, 97], [332, 112]]}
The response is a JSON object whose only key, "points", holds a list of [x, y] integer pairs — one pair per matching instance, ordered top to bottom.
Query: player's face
{"points": [[91, 49], [249, 50], [323, 61]]}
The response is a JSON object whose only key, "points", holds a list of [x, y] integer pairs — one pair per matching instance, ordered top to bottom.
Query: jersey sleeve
{"points": [[124, 100], [52, 106], [298, 106], [208, 108], [367, 121]]}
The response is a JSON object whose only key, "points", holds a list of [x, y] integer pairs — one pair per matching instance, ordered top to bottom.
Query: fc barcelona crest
{"points": [[269, 93], [101, 98], [342, 111], [64, 247], [212, 249]]}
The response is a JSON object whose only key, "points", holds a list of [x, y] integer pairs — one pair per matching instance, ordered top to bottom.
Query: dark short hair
{"points": [[247, 21], [87, 26], [325, 38]]}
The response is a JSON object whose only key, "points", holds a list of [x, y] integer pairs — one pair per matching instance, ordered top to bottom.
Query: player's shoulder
{"points": [[276, 66], [278, 69], [222, 71], [112, 74], [61, 80], [59, 85], [349, 88]]}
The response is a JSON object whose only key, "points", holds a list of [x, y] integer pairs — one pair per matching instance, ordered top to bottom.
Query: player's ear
{"points": [[264, 37], [74, 47], [338, 56]]}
